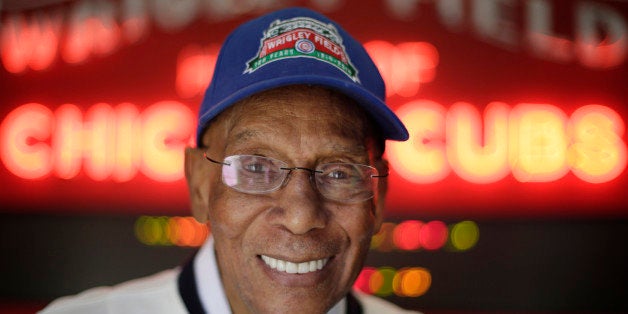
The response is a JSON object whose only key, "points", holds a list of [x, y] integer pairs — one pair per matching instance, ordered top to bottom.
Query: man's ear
{"points": [[198, 183], [380, 196]]}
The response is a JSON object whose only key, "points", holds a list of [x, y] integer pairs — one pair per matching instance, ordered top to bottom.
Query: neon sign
{"points": [[107, 142], [534, 142], [117, 143], [129, 150]]}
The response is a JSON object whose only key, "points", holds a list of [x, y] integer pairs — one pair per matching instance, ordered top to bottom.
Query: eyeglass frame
{"points": [[289, 170]]}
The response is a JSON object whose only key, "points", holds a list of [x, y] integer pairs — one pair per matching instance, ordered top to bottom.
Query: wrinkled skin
{"points": [[303, 126]]}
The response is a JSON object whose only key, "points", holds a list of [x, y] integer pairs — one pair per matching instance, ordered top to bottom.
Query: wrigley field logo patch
{"points": [[302, 37]]}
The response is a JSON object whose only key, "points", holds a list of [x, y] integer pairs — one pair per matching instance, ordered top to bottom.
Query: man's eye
{"points": [[255, 168], [338, 175]]}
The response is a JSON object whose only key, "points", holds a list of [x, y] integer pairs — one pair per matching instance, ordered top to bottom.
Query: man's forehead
{"points": [[256, 116], [253, 137]]}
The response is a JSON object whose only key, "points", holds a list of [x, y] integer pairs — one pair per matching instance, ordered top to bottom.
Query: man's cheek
{"points": [[233, 216]]}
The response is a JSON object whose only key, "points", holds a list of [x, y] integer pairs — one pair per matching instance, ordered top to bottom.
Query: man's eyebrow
{"points": [[248, 134], [245, 135], [349, 149], [356, 151]]}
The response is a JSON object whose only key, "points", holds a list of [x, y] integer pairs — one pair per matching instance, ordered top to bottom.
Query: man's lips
{"points": [[294, 268]]}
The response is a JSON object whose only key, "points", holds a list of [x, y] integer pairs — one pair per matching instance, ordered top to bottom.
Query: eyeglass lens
{"points": [[343, 182]]}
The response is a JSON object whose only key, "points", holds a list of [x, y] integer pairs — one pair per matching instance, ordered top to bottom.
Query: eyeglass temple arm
{"points": [[215, 161]]}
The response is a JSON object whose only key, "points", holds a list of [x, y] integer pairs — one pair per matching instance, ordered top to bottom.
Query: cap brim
{"points": [[389, 124]]}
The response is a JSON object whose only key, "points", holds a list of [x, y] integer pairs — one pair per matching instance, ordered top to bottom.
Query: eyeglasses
{"points": [[341, 182]]}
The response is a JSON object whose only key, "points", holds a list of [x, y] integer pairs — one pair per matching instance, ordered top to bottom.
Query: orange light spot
{"points": [[187, 232], [201, 232], [412, 282]]}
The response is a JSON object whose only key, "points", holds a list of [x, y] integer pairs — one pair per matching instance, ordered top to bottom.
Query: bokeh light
{"points": [[165, 231], [406, 235], [413, 235], [433, 235], [464, 235], [385, 276], [384, 281], [363, 282], [412, 282]]}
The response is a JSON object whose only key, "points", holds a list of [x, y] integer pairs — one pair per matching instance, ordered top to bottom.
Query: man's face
{"points": [[303, 127]]}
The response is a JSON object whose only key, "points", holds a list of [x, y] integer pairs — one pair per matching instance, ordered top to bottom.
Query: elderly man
{"points": [[287, 172]]}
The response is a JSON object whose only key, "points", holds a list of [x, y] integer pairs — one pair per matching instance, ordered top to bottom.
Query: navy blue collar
{"points": [[187, 288]]}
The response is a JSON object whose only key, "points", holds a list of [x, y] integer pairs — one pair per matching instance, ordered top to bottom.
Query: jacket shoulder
{"points": [[153, 294]]}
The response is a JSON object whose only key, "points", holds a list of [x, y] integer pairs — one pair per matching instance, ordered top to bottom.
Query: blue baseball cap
{"points": [[290, 47]]}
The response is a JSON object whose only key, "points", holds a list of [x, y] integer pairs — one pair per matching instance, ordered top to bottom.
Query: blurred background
{"points": [[509, 197]]}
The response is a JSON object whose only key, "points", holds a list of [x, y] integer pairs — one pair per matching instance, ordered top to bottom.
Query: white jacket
{"points": [[175, 291]]}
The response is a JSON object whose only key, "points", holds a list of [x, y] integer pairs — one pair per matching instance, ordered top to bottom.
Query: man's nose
{"points": [[301, 205]]}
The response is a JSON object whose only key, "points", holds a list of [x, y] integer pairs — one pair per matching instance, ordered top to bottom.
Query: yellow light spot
{"points": [[464, 235], [384, 280]]}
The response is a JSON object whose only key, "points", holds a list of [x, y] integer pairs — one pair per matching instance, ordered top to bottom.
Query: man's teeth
{"points": [[294, 268]]}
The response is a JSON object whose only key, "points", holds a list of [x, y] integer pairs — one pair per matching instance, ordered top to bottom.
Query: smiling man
{"points": [[288, 174]]}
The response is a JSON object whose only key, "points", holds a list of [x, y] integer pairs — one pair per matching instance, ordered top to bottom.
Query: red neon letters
{"points": [[106, 142], [534, 142]]}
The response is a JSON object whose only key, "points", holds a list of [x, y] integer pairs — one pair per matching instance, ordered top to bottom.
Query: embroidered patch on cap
{"points": [[302, 37]]}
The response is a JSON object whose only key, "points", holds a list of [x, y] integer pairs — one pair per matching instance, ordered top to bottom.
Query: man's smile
{"points": [[294, 268]]}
